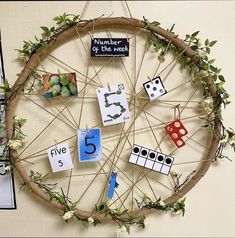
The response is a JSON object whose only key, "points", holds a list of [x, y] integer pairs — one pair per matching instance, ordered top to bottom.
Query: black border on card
{"points": [[1, 58], [12, 175], [13, 191]]}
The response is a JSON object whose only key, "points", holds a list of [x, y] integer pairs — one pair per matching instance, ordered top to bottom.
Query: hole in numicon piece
{"points": [[157, 81], [147, 86], [154, 88], [161, 91], [152, 95], [176, 124], [169, 128], [182, 131], [174, 135], [179, 142], [136, 150], [144, 152], [152, 155], [160, 158], [168, 161]]}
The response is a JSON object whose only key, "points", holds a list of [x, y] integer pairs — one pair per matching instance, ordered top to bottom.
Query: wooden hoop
{"points": [[83, 28]]}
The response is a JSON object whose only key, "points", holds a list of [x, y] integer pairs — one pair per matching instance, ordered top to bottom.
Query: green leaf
{"points": [[57, 18], [154, 24], [45, 29], [195, 33], [206, 42], [212, 43], [208, 50], [212, 61], [213, 68], [221, 78]]}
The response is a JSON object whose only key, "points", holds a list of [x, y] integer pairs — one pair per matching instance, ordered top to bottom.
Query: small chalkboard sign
{"points": [[106, 47]]}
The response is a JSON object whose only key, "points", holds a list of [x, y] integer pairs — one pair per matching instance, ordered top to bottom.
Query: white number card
{"points": [[113, 105], [60, 158]]}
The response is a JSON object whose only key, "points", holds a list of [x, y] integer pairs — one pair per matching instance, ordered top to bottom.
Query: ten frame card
{"points": [[151, 159]]}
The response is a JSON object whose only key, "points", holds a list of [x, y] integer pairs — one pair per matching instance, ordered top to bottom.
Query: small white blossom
{"points": [[201, 53], [204, 73], [207, 103], [15, 144], [7, 168], [161, 203], [68, 215], [90, 220], [123, 229]]}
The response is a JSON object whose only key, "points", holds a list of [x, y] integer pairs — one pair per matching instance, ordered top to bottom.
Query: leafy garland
{"points": [[206, 68], [122, 217]]}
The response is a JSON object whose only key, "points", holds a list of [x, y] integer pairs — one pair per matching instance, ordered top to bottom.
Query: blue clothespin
{"points": [[112, 184]]}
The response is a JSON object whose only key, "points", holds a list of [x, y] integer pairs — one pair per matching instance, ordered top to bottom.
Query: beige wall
{"points": [[211, 204]]}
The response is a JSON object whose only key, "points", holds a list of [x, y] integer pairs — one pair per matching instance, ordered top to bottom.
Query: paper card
{"points": [[109, 47], [63, 84], [154, 88], [113, 105], [176, 131], [89, 145], [60, 158], [151, 159], [7, 189]]}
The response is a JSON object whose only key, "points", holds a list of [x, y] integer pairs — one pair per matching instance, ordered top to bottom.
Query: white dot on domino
{"points": [[154, 88]]}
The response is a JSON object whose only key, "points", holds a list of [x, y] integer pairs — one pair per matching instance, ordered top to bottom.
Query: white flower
{"points": [[201, 53], [204, 73], [207, 103], [15, 144], [7, 168], [162, 204], [68, 215], [90, 220], [123, 229]]}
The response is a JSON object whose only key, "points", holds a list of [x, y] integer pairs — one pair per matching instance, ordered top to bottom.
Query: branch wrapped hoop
{"points": [[84, 27]]}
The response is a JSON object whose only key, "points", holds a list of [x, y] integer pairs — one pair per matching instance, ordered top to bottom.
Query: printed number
{"points": [[91, 145], [60, 163], [1, 166]]}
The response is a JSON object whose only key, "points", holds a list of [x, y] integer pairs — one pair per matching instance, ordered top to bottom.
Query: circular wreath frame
{"points": [[83, 28]]}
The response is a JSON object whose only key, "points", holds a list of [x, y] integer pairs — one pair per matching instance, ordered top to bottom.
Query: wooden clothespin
{"points": [[151, 80], [109, 88], [176, 107]]}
